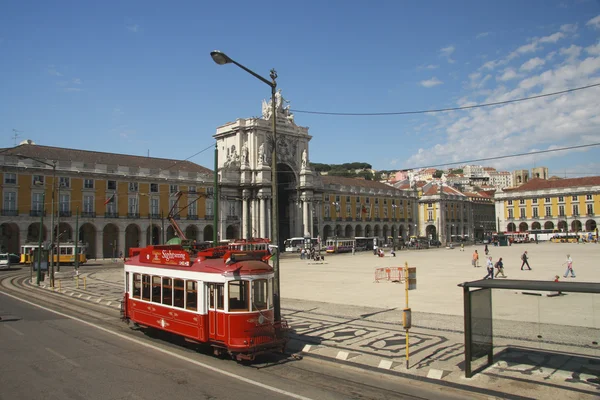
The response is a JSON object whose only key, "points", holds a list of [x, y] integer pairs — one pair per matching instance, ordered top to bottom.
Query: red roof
{"points": [[541, 184]]}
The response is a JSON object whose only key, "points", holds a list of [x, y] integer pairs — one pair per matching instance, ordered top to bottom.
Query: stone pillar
{"points": [[223, 211], [263, 214], [305, 217], [269, 219], [245, 222], [255, 228], [146, 234], [99, 242], [120, 243]]}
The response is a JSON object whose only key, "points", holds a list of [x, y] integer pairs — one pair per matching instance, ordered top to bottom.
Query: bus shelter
{"points": [[478, 311]]}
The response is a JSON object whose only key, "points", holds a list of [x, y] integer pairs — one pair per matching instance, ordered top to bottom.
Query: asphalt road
{"points": [[94, 356]]}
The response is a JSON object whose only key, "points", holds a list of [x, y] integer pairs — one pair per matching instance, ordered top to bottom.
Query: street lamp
{"points": [[221, 59], [53, 165]]}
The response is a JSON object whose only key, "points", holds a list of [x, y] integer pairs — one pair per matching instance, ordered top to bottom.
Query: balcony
{"points": [[10, 213], [36, 213], [64, 213], [88, 214], [590, 214], [111, 215], [133, 215], [575, 215], [156, 216], [192, 217], [208, 217], [536, 217], [548, 217], [232, 218], [326, 218], [348, 218], [510, 218], [522, 218], [338, 219], [377, 219]]}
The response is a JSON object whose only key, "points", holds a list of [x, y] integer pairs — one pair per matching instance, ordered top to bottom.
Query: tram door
{"points": [[216, 310]]}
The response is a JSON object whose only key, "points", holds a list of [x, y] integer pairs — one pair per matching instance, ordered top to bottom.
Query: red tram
{"points": [[223, 297]]}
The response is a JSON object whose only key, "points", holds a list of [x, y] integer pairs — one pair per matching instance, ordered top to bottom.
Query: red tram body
{"points": [[223, 297]]}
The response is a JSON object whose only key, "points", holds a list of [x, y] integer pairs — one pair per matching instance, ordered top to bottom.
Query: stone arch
{"points": [[286, 190], [549, 225], [562, 225], [576, 225], [590, 225], [536, 226], [511, 227], [523, 227], [338, 230], [348, 231], [358, 231], [368, 231], [377, 231], [401, 231], [66, 232], [191, 232], [230, 232], [327, 232], [386, 232], [431, 232], [33, 233], [171, 233], [208, 233], [133, 234], [153, 234], [87, 235], [9, 238], [110, 241]]}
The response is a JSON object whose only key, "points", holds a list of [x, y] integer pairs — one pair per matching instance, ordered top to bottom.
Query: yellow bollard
{"points": [[84, 283], [59, 285]]}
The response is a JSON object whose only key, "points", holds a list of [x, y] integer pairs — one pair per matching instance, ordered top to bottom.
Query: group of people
{"points": [[311, 254], [499, 265]]}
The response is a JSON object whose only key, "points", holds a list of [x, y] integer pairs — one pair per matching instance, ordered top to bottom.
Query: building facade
{"points": [[564, 205]]}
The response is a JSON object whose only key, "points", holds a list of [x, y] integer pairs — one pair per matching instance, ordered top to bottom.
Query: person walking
{"points": [[462, 247], [353, 249], [487, 251], [525, 259], [475, 260], [569, 263], [500, 268], [490, 269]]}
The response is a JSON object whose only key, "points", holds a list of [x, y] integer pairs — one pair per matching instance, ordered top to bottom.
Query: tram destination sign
{"points": [[179, 258]]}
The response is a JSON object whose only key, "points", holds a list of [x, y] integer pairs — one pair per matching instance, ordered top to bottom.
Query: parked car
{"points": [[4, 260]]}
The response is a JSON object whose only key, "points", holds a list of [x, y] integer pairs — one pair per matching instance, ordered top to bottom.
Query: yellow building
{"points": [[122, 200], [560, 204]]}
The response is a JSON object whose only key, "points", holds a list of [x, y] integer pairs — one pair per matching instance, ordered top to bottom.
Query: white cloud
{"points": [[594, 22], [135, 28], [569, 28], [482, 35], [555, 37], [593, 50], [571, 52], [447, 53], [532, 64], [430, 66], [52, 71], [509, 73], [77, 81], [431, 82], [72, 89], [117, 112]]}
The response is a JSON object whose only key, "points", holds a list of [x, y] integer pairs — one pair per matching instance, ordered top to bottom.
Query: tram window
{"points": [[126, 282], [137, 286], [146, 287], [156, 289], [167, 292], [259, 294], [178, 295], [191, 295], [211, 295], [220, 296], [238, 296], [270, 297]]}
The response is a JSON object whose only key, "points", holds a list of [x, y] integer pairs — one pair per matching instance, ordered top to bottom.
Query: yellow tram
{"points": [[67, 253]]}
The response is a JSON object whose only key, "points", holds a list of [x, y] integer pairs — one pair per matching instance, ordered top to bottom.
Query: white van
{"points": [[4, 261]]}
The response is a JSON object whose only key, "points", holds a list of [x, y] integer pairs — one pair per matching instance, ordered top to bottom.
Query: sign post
{"points": [[410, 283]]}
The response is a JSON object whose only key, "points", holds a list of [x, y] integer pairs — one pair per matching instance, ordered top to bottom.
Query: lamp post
{"points": [[221, 59], [53, 166], [41, 231]]}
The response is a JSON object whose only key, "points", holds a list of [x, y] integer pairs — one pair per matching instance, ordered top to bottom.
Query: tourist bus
{"points": [[541, 235], [517, 237], [564, 237], [365, 243], [296, 244], [339, 245], [67, 253], [222, 297]]}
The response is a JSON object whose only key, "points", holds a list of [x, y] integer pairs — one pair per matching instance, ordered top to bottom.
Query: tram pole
{"points": [[222, 59], [216, 199], [40, 233], [77, 240]]}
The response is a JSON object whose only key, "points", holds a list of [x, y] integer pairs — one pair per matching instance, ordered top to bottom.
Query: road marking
{"points": [[15, 330], [165, 351], [57, 354]]}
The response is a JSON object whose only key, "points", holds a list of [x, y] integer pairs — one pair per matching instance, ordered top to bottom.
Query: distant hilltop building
{"points": [[521, 176]]}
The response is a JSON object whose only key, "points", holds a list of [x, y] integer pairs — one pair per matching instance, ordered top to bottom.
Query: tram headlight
{"points": [[261, 319]]}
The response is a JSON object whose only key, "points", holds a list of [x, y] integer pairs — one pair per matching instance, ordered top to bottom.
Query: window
{"points": [[10, 178], [38, 179], [64, 181], [88, 183], [111, 185], [133, 186], [154, 188], [173, 189], [192, 189], [209, 190], [588, 197], [574, 198], [337, 199], [347, 199], [547, 199], [561, 199], [357, 200], [376, 201], [521, 201], [534, 201], [64, 202], [510, 202], [37, 203], [172, 203], [88, 204], [429, 205], [132, 206], [154, 206], [209, 207], [192, 208], [231, 209], [575, 209], [590, 209], [348, 210], [358, 210], [327, 211], [548, 211], [561, 211], [385, 212], [535, 212], [510, 213], [522, 213], [376, 215], [430, 215], [137, 286], [146, 287], [156, 289], [167, 292], [178, 293], [220, 293], [191, 295], [260, 295], [238, 296]]}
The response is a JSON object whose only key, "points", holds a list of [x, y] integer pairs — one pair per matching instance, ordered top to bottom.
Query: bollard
{"points": [[77, 280], [84, 283], [59, 285]]}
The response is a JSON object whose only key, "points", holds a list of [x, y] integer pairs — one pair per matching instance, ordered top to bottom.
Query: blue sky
{"points": [[136, 77]]}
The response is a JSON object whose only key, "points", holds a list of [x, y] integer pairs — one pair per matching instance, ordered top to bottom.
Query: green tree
{"points": [[438, 173]]}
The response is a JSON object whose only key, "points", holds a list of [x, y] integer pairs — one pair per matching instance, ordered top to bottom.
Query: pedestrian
{"points": [[462, 247], [353, 249], [486, 250], [393, 253], [302, 254], [525, 259], [475, 260], [569, 263], [500, 268], [490, 269]]}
